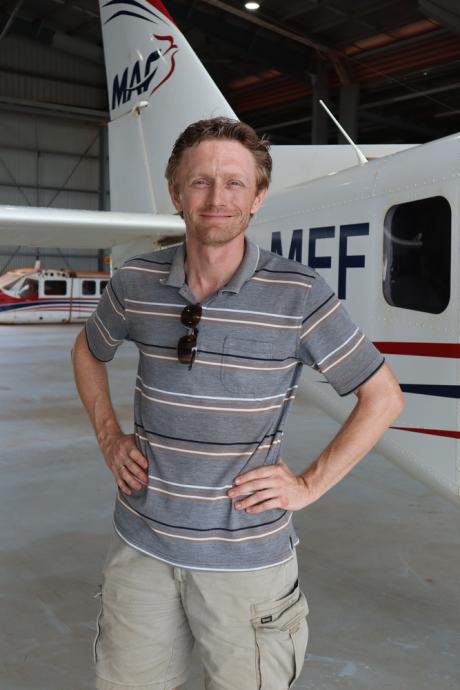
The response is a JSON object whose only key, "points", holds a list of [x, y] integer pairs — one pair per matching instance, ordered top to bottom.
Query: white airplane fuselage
{"points": [[343, 219], [49, 296]]}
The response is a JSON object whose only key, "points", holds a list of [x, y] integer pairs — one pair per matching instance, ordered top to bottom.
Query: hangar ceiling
{"points": [[396, 60]]}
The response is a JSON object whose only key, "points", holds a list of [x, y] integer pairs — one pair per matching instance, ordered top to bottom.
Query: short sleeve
{"points": [[106, 328], [331, 343]]}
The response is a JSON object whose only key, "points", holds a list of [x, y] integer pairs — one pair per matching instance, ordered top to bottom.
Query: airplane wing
{"points": [[50, 227]]}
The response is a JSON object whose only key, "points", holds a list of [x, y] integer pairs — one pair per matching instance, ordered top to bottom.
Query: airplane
{"points": [[384, 234], [37, 295]]}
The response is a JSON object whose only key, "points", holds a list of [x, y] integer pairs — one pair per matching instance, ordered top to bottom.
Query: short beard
{"points": [[218, 237], [214, 240]]}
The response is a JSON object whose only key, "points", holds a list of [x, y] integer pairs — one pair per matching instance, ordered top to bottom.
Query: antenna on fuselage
{"points": [[361, 157]]}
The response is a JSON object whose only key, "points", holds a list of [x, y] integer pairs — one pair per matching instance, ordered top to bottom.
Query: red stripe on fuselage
{"points": [[161, 8], [7, 299], [63, 308], [447, 350], [431, 432]]}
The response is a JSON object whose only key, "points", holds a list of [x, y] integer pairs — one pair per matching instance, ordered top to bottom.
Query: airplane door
{"points": [[86, 293], [54, 299], [31, 312], [417, 331]]}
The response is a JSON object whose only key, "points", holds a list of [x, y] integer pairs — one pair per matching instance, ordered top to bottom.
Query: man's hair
{"points": [[223, 128]]}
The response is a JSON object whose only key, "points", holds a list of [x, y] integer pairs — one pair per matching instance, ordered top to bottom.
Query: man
{"points": [[204, 550]]}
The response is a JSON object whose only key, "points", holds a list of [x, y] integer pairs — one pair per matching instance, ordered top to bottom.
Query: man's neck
{"points": [[208, 269]]}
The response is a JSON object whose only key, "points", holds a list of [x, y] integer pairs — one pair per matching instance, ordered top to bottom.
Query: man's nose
{"points": [[217, 194]]}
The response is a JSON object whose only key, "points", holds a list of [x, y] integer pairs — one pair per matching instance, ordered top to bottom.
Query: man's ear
{"points": [[175, 198], [258, 201]]}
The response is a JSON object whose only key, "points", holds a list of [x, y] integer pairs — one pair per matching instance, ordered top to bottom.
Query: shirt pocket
{"points": [[245, 365], [281, 633]]}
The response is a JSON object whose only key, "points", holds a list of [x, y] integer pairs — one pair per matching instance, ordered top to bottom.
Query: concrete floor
{"points": [[380, 557]]}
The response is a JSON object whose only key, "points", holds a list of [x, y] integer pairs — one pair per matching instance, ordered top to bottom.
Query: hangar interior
{"points": [[388, 68], [382, 617]]}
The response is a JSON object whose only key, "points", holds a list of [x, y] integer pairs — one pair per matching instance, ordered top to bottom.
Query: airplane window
{"points": [[417, 255], [102, 286], [55, 287], [88, 287], [29, 289]]}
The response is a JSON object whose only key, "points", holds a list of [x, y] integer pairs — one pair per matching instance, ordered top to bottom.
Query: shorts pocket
{"points": [[98, 625], [281, 633]]}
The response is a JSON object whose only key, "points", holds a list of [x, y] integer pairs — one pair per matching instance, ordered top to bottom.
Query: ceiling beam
{"points": [[301, 7], [77, 8], [444, 15], [354, 16], [11, 19], [269, 26], [45, 35], [264, 49], [58, 79], [412, 95], [370, 105], [89, 115], [287, 123], [400, 123], [395, 124], [45, 152]]}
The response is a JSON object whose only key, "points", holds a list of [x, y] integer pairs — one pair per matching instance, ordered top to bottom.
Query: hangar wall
{"points": [[63, 72], [51, 159], [52, 163]]}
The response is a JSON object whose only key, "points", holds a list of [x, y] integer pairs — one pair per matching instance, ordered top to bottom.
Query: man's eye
{"points": [[199, 183], [236, 183]]}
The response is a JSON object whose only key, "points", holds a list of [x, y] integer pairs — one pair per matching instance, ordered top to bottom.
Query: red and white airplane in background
{"points": [[384, 234], [36, 295]]}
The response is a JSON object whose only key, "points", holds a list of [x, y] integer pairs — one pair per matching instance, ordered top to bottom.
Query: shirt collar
{"points": [[244, 272], [176, 276]]}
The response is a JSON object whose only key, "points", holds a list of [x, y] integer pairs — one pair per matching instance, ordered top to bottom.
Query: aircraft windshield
{"points": [[7, 283], [21, 287], [28, 290]]}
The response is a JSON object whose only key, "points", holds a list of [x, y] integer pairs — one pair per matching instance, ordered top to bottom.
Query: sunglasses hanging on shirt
{"points": [[186, 347]]}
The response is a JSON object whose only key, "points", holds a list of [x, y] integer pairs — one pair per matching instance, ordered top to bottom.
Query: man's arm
{"points": [[380, 401], [121, 455]]}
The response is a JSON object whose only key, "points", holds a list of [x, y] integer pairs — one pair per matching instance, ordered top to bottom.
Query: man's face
{"points": [[216, 190]]}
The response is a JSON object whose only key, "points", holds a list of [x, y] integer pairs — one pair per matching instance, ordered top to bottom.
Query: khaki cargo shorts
{"points": [[250, 627]]}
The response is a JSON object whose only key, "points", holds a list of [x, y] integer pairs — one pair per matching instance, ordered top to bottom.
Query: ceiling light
{"points": [[252, 5]]}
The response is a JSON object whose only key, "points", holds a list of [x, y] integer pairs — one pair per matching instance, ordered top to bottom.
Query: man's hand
{"points": [[380, 401], [123, 458], [125, 461], [269, 487]]}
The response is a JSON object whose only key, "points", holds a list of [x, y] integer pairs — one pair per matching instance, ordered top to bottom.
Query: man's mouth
{"points": [[216, 215]]}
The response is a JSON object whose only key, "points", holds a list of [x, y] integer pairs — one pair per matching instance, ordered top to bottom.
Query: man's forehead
{"points": [[213, 153]]}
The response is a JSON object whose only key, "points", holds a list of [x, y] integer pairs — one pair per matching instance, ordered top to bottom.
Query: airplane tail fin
{"points": [[157, 86]]}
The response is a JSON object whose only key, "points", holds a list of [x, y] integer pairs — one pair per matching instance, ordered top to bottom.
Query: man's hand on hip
{"points": [[379, 402], [125, 461], [269, 487]]}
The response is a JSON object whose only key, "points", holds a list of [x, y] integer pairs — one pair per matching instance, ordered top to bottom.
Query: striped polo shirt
{"points": [[200, 428]]}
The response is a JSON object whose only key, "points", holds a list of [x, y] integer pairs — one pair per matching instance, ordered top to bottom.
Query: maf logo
{"points": [[140, 80]]}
